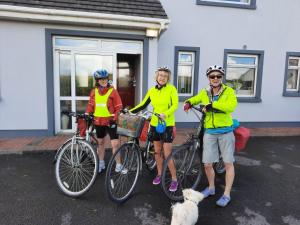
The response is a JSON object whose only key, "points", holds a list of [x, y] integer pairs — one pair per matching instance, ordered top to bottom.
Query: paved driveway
{"points": [[266, 192]]}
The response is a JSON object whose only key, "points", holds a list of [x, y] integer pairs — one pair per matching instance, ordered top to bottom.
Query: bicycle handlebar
{"points": [[80, 115]]}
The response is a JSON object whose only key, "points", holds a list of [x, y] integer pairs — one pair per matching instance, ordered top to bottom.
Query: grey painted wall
{"points": [[268, 28]]}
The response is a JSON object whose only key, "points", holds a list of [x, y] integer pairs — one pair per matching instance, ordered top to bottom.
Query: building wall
{"points": [[272, 28], [23, 84]]}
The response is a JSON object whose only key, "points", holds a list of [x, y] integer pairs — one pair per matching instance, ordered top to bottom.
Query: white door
{"points": [[73, 81]]}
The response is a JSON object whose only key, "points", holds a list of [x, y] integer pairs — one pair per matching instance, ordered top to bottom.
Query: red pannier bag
{"points": [[82, 127], [144, 133], [242, 135]]}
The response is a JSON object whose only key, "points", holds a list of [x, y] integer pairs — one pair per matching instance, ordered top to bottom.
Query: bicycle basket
{"points": [[130, 125], [82, 127], [144, 133]]}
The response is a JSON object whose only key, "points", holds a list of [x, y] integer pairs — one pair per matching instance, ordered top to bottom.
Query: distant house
{"points": [[49, 50]]}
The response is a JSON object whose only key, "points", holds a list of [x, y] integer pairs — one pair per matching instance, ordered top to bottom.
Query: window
{"points": [[247, 4], [186, 71], [244, 73], [292, 73]]}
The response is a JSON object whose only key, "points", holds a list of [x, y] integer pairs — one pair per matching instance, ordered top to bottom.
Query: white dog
{"points": [[186, 213]]}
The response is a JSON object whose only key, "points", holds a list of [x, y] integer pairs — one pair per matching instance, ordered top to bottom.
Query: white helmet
{"points": [[215, 68]]}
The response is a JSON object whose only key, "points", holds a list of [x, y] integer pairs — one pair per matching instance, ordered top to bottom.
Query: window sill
{"points": [[231, 5], [291, 94], [249, 100]]}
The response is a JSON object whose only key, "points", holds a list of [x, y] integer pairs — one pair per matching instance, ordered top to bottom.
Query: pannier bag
{"points": [[130, 125], [82, 127], [144, 133], [242, 135]]}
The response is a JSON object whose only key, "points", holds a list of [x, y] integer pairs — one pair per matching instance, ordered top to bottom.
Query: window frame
{"points": [[251, 5], [259, 71], [195, 72], [287, 93]]}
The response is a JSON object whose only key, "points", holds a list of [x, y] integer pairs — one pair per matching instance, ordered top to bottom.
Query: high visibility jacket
{"points": [[164, 100], [226, 102], [101, 108]]}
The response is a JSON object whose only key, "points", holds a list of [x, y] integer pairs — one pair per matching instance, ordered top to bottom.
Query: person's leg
{"points": [[115, 143], [101, 146], [158, 157], [171, 166], [210, 174], [229, 177]]}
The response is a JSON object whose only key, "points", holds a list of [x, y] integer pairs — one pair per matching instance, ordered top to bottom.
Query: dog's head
{"points": [[192, 195]]}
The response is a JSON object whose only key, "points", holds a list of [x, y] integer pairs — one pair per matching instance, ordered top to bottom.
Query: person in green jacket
{"points": [[164, 100], [218, 133]]}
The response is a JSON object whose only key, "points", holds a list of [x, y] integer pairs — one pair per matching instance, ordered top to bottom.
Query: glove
{"points": [[187, 106], [208, 107], [124, 111], [112, 124]]}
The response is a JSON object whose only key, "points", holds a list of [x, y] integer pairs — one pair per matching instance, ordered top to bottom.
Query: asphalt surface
{"points": [[266, 191]]}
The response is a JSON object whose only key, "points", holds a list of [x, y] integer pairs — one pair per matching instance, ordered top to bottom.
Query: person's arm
{"points": [[197, 98], [146, 101], [174, 102], [91, 104], [117, 104], [227, 105]]}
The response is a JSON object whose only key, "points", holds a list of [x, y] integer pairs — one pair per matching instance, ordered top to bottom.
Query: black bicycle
{"points": [[76, 161], [188, 162], [121, 183]]}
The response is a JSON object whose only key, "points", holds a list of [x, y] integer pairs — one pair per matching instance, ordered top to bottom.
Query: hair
{"points": [[167, 71]]}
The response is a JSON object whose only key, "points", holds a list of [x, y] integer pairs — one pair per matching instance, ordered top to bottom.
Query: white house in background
{"points": [[48, 51]]}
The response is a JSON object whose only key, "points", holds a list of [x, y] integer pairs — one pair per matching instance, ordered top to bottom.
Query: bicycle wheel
{"points": [[149, 156], [219, 167], [76, 168], [188, 171], [120, 184]]}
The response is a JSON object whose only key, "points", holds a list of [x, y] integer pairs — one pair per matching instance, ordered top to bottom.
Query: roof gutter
{"points": [[81, 18]]}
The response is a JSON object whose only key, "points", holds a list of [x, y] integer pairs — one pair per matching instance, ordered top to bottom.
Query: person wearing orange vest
{"points": [[105, 103]]}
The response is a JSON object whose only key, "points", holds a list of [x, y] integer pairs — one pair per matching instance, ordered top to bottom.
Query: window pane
{"points": [[76, 42], [122, 46], [184, 57], [241, 60], [293, 62], [85, 66], [65, 74], [185, 79], [241, 79], [292, 79], [81, 106], [65, 119]]}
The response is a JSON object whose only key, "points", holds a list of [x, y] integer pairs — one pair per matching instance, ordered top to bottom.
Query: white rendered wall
{"points": [[273, 28]]}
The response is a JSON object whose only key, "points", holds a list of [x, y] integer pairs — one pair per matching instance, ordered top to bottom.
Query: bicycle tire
{"points": [[150, 159], [219, 167], [188, 170], [75, 178], [117, 190]]}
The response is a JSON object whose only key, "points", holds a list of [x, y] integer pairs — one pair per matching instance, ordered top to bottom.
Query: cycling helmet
{"points": [[164, 68], [215, 68], [99, 74], [161, 127]]}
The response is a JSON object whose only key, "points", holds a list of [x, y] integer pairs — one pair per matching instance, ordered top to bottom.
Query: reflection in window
{"points": [[86, 43], [85, 66], [185, 73], [65, 74], [241, 74], [292, 83], [81, 106], [65, 119]]}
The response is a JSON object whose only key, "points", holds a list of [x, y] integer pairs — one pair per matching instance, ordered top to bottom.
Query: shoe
{"points": [[101, 166], [121, 169], [156, 180], [173, 186], [208, 192], [223, 201]]}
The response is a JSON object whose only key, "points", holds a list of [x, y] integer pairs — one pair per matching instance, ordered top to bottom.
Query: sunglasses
{"points": [[215, 76]]}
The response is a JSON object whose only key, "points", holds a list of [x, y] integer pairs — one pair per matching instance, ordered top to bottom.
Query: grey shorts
{"points": [[212, 143]]}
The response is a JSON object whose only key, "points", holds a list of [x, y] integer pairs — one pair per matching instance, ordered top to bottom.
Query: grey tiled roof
{"points": [[143, 8]]}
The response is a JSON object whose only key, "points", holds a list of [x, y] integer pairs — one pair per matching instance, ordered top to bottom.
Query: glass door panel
{"points": [[65, 74], [65, 119]]}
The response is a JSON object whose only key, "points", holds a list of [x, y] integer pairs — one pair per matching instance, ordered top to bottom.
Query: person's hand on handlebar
{"points": [[187, 106], [207, 108], [124, 111], [162, 116]]}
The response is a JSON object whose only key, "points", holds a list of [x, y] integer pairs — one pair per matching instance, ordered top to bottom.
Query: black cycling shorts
{"points": [[101, 132], [166, 137]]}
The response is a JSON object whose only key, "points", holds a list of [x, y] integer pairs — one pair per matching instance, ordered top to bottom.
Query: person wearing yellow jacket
{"points": [[164, 100], [220, 101]]}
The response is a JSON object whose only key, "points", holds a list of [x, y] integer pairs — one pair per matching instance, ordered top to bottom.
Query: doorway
{"points": [[128, 78]]}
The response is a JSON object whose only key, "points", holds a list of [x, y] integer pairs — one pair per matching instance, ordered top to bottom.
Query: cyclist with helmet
{"points": [[164, 100], [220, 101], [105, 103]]}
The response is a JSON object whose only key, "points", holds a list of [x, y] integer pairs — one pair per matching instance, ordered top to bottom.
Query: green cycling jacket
{"points": [[163, 100], [227, 103]]}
